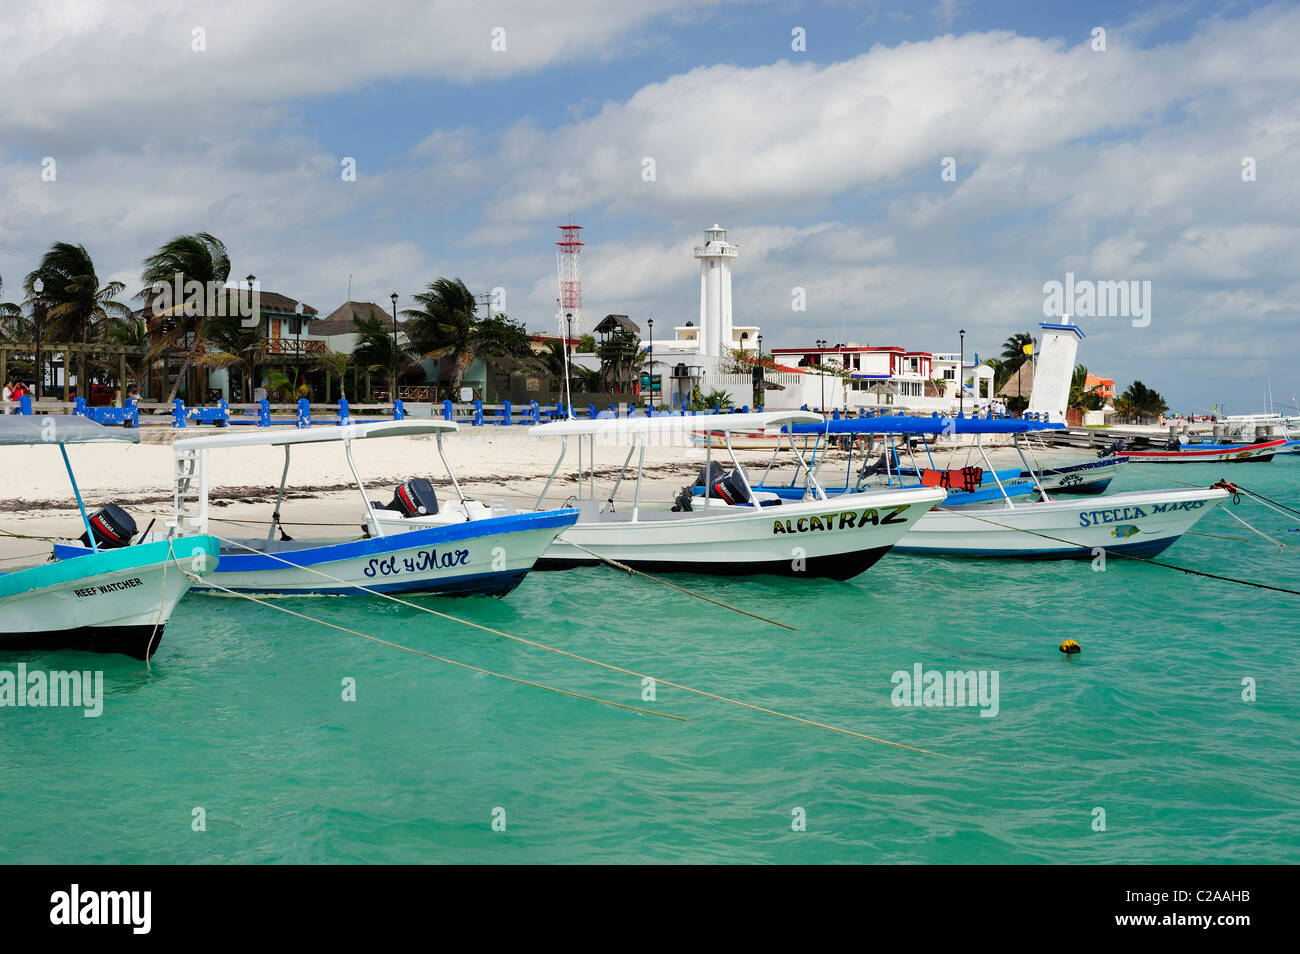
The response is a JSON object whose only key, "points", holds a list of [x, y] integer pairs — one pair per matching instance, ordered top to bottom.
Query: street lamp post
{"points": [[250, 279], [393, 298], [38, 307], [297, 313], [651, 323], [257, 329], [568, 360], [821, 371], [961, 374]]}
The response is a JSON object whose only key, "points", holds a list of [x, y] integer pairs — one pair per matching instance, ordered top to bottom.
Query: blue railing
{"points": [[475, 414]]}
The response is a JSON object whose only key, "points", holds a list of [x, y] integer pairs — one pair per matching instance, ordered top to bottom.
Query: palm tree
{"points": [[201, 258], [72, 298], [7, 308], [445, 324], [14, 328], [132, 332], [236, 348], [1013, 349], [377, 350], [551, 362], [335, 364], [1087, 400], [1142, 402]]}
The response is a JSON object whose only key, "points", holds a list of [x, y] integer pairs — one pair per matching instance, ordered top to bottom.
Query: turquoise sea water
{"points": [[242, 715]]}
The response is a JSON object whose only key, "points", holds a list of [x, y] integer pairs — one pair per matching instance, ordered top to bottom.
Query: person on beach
{"points": [[7, 396]]}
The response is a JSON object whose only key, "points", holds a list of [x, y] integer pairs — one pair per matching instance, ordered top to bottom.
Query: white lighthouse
{"points": [[715, 257]]}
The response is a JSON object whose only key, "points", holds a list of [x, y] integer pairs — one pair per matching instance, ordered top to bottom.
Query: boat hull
{"points": [[1238, 453], [1141, 523], [833, 539], [481, 557], [113, 601]]}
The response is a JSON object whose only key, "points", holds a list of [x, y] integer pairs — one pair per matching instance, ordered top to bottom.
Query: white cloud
{"points": [[72, 66]]}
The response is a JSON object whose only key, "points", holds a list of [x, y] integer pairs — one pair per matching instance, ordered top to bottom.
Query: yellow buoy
{"points": [[1071, 648]]}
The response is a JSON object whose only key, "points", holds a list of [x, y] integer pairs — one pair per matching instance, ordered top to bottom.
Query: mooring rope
{"points": [[1258, 497], [27, 536], [1216, 536], [1280, 547], [26, 556], [1129, 556], [699, 596], [420, 652], [577, 656]]}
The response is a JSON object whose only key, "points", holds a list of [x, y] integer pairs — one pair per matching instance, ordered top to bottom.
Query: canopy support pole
{"points": [[979, 442], [564, 448], [347, 452], [1032, 473], [452, 474], [636, 494], [279, 498], [609, 502], [90, 534]]}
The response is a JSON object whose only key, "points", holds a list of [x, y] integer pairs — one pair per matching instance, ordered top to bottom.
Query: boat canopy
{"points": [[900, 424], [612, 428], [60, 429], [318, 434]]}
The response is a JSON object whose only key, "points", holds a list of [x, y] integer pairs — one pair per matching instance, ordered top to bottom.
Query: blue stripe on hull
{"points": [[1147, 549], [238, 562], [474, 584]]}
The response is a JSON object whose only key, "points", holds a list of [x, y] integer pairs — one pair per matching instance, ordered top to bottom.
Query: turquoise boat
{"points": [[119, 596]]}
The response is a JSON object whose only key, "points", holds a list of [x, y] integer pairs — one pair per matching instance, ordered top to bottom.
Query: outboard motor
{"points": [[1117, 447], [709, 476], [705, 478], [731, 489], [415, 498], [113, 528]]}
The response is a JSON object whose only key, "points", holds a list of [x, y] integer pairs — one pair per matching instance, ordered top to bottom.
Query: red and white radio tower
{"points": [[570, 280]]}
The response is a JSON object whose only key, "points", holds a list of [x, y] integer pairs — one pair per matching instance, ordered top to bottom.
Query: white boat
{"points": [[1247, 427], [1139, 523], [732, 530], [420, 543], [118, 597]]}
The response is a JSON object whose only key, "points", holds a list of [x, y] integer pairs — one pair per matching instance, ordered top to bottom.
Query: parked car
{"points": [[102, 395]]}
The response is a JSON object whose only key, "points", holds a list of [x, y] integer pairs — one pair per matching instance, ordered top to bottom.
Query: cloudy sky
{"points": [[816, 132]]}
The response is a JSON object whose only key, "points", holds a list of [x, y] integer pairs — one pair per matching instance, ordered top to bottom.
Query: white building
{"points": [[693, 355], [876, 376]]}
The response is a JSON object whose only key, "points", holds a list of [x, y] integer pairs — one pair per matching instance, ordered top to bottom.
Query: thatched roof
{"points": [[339, 321], [611, 323], [1021, 383]]}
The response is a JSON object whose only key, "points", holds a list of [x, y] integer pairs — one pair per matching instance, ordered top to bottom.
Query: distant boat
{"points": [[1269, 426], [1204, 453], [1140, 523], [732, 529], [418, 543], [118, 597]]}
